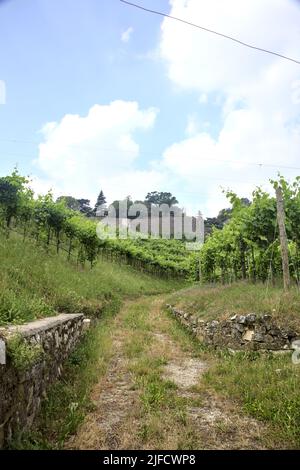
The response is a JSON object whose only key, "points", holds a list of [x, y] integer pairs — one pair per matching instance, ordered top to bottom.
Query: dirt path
{"points": [[152, 396]]}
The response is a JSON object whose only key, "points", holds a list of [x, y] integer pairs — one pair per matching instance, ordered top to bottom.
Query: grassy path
{"points": [[152, 395]]}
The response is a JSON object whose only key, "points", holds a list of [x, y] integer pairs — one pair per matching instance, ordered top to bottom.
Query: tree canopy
{"points": [[157, 198], [100, 203]]}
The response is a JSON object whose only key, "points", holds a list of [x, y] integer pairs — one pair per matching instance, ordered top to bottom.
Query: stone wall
{"points": [[240, 332], [23, 385]]}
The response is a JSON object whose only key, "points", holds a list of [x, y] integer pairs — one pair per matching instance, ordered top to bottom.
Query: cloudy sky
{"points": [[102, 95]]}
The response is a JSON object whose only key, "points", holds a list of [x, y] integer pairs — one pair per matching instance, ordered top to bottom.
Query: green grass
{"points": [[36, 284], [218, 302], [267, 388], [68, 400], [162, 416]]}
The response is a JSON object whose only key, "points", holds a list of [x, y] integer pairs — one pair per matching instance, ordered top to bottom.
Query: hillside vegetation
{"points": [[54, 225], [248, 246], [52, 261], [35, 283], [217, 302], [265, 386], [228, 389]]}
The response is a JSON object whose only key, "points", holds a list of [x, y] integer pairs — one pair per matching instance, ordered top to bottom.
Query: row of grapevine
{"points": [[52, 223], [248, 246], [159, 255]]}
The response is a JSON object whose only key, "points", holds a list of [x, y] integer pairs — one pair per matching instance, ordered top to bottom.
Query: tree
{"points": [[157, 198], [70, 202], [245, 202], [100, 203], [80, 205], [84, 207], [219, 221]]}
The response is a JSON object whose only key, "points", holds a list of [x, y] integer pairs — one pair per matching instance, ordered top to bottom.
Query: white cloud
{"points": [[125, 36], [206, 62], [258, 93], [203, 98], [258, 106], [195, 126], [82, 154], [205, 163], [135, 183], [41, 185]]}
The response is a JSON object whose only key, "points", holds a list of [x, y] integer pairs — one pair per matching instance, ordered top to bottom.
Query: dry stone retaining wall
{"points": [[240, 332], [22, 389]]}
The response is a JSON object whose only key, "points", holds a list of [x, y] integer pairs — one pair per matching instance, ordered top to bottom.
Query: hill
{"points": [[35, 283]]}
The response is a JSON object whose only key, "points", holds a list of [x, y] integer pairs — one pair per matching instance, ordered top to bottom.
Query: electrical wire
{"points": [[242, 43]]}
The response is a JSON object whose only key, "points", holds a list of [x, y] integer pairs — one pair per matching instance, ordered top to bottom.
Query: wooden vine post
{"points": [[283, 239]]}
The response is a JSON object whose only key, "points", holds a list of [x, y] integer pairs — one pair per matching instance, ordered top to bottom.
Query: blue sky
{"points": [[63, 57]]}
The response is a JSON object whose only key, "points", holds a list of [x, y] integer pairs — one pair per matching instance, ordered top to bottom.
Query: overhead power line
{"points": [[242, 43], [150, 154]]}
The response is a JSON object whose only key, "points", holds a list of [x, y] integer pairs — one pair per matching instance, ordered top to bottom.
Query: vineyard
{"points": [[52, 224], [246, 248], [52, 261]]}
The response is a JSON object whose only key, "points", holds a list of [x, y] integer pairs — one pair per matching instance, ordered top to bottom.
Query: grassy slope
{"points": [[35, 284], [240, 298], [266, 387]]}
